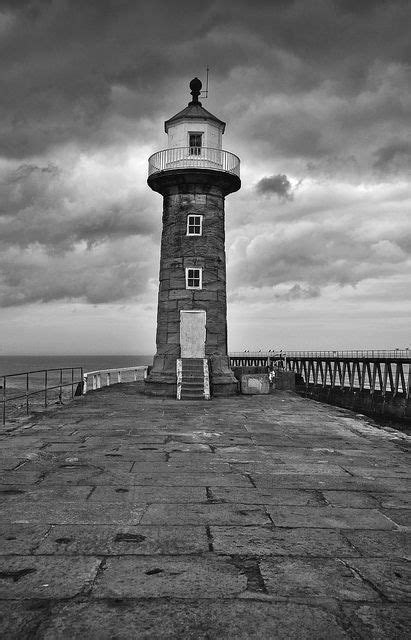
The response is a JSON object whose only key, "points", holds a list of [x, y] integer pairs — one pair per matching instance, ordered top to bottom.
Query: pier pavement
{"points": [[125, 516]]}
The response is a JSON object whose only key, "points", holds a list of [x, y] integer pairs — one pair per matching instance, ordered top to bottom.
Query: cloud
{"points": [[393, 158], [279, 184], [58, 207], [318, 242], [116, 272]]}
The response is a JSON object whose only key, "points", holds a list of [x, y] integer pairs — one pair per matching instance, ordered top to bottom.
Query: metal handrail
{"points": [[194, 158], [353, 353], [392, 354], [96, 376], [28, 393]]}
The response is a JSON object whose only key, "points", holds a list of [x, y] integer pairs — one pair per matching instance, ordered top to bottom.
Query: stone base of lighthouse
{"points": [[203, 309], [162, 379]]}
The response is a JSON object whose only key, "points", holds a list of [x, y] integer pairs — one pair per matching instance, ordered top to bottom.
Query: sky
{"points": [[316, 96]]}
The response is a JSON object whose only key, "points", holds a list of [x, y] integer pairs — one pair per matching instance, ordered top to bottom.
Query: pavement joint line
{"points": [[249, 476], [92, 490], [210, 539], [356, 572], [89, 585]]}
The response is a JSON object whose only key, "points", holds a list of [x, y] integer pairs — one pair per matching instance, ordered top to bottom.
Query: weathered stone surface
{"points": [[180, 465], [200, 479], [148, 494], [254, 496], [353, 499], [69, 512], [205, 514], [329, 517], [401, 517], [20, 539], [116, 540], [274, 541], [384, 544], [332, 546], [159, 576], [390, 576], [37, 577], [314, 578], [19, 620], [205, 620], [379, 622]]}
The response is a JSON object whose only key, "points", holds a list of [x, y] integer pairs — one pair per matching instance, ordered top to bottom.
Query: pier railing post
{"points": [[45, 388], [27, 393], [4, 400]]}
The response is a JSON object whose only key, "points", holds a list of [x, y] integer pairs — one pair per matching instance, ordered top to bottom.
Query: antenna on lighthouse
{"points": [[204, 94]]}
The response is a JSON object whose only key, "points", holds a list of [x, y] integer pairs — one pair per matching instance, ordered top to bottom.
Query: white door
{"points": [[192, 334]]}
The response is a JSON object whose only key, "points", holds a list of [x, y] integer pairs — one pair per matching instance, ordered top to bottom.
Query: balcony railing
{"points": [[194, 158]]}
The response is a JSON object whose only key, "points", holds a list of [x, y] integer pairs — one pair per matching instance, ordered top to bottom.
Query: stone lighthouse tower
{"points": [[194, 175]]}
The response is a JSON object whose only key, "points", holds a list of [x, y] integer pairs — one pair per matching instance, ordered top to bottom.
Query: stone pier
{"points": [[128, 516]]}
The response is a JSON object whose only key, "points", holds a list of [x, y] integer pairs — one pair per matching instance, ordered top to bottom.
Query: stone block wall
{"points": [[199, 192], [178, 252]]}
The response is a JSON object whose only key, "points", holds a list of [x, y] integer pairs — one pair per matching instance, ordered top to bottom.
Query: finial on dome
{"points": [[195, 86]]}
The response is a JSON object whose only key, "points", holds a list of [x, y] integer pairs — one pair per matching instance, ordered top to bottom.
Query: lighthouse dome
{"points": [[194, 125]]}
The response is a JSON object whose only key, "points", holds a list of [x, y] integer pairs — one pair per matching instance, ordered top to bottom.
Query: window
{"points": [[195, 143], [194, 225], [193, 278]]}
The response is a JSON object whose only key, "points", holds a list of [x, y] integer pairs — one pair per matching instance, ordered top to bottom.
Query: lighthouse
{"points": [[194, 175]]}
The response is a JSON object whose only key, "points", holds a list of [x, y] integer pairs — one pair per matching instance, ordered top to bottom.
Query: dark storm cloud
{"points": [[61, 59], [313, 88], [394, 157], [279, 185], [38, 205], [116, 273]]}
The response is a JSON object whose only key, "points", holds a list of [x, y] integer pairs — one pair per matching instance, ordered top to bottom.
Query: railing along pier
{"points": [[387, 374], [107, 377], [39, 382], [375, 382]]}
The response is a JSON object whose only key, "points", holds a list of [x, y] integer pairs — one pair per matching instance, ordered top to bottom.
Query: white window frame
{"points": [[192, 149], [194, 215], [200, 275]]}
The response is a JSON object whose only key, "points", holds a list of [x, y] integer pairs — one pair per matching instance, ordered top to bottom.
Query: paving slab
{"points": [[148, 494], [255, 496], [69, 512], [206, 514], [246, 517], [331, 517], [21, 539], [116, 540], [261, 541], [385, 544], [160, 576], [46, 577], [391, 577], [315, 578], [191, 620], [379, 622]]}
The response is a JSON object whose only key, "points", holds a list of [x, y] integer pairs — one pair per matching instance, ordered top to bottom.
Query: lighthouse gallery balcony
{"points": [[178, 158]]}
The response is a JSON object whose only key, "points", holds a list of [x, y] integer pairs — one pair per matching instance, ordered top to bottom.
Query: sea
{"points": [[21, 364]]}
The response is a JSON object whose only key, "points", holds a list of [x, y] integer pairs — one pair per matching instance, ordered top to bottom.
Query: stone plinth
{"points": [[255, 384]]}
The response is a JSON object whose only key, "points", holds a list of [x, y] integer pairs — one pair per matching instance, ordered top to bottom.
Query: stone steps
{"points": [[192, 379]]}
